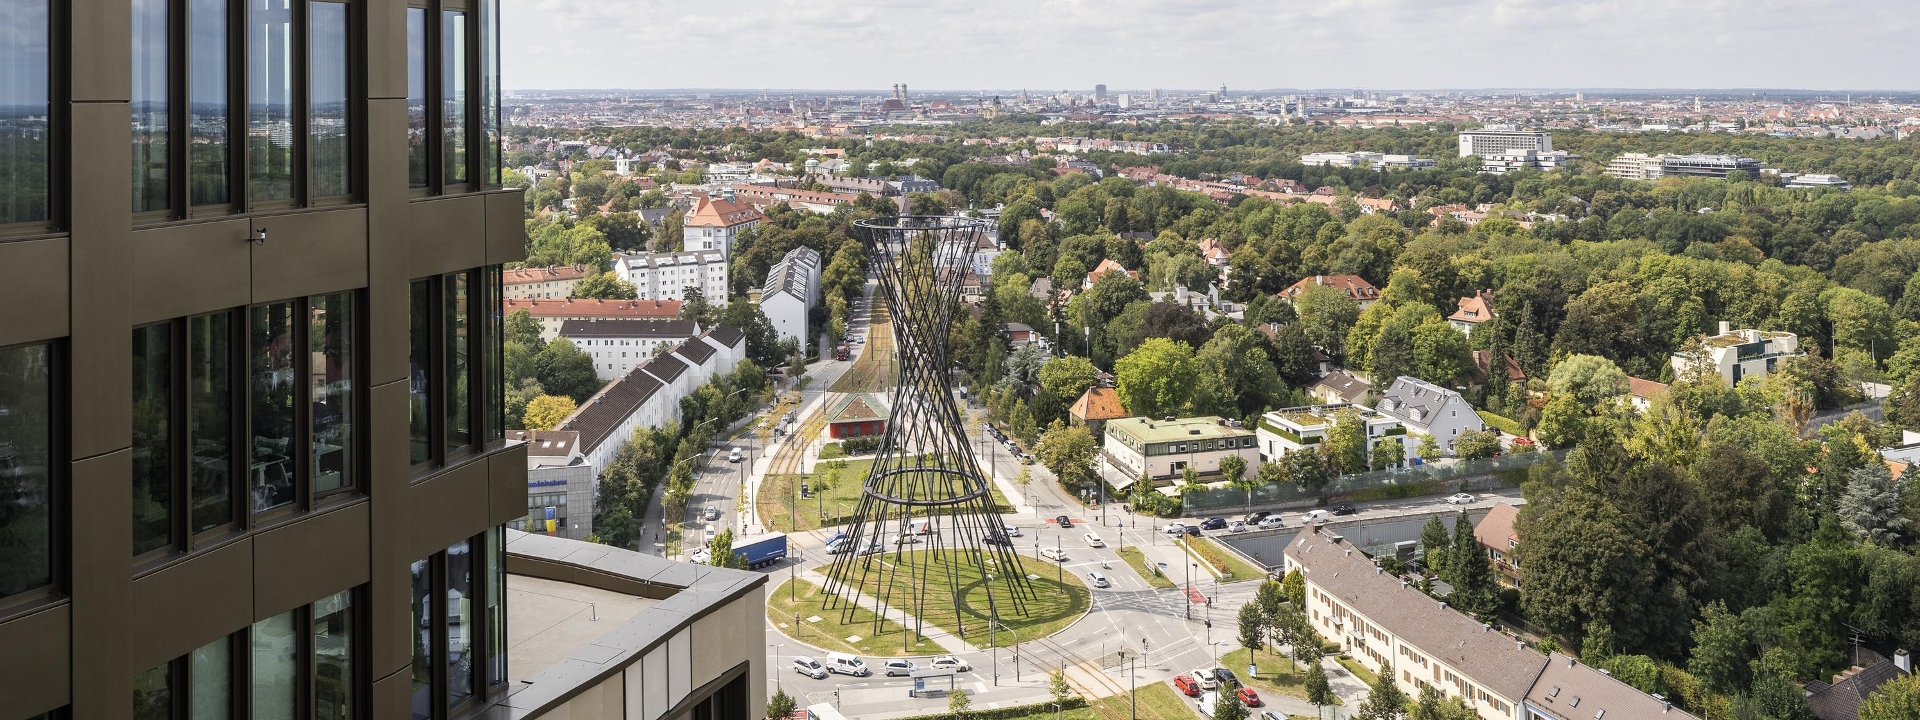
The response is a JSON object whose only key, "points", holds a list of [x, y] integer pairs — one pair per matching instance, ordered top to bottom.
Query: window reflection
{"points": [[490, 90], [327, 91], [453, 95], [416, 97], [270, 99], [149, 102], [23, 111], [207, 149], [420, 300], [331, 367], [272, 379], [210, 419], [459, 430], [152, 438], [26, 486], [496, 605], [459, 623], [422, 640], [333, 657], [211, 667], [276, 686], [153, 693]]}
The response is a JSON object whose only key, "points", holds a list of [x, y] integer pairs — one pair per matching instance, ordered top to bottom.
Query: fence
{"points": [[1429, 479]]}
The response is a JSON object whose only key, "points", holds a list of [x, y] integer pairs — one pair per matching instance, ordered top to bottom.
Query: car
{"points": [[1523, 440], [734, 455], [1026, 459], [1462, 499], [1345, 510], [710, 514], [1256, 517], [1064, 521], [1272, 521], [1213, 523], [1236, 527], [1174, 528], [1193, 530], [711, 531], [1012, 531], [997, 539], [906, 540], [1093, 540], [838, 546], [875, 548], [1054, 554], [700, 557], [1098, 580], [949, 662], [809, 667], [899, 667], [1226, 676], [1205, 678], [1186, 685], [1248, 697], [1271, 715]]}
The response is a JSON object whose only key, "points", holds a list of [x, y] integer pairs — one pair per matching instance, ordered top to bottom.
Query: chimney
{"points": [[1725, 327], [1904, 661]]}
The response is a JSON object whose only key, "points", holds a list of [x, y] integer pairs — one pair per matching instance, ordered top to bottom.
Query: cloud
{"points": [[1247, 44]]}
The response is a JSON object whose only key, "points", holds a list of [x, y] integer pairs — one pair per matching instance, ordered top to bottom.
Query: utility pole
{"points": [[1133, 691]]}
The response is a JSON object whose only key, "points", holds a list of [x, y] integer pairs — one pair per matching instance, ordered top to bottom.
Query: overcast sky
{"points": [[1052, 45]]}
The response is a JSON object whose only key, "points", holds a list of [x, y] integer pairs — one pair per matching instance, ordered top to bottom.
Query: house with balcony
{"points": [[1736, 355], [1424, 408], [1290, 430], [1162, 449], [1496, 535]]}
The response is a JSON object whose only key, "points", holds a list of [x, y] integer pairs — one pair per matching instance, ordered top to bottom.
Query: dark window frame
{"points": [[477, 14], [301, 112], [58, 150], [484, 342], [59, 488], [240, 664], [486, 688]]}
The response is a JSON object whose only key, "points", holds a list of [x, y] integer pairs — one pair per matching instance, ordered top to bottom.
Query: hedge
{"points": [[1503, 423], [1005, 713]]}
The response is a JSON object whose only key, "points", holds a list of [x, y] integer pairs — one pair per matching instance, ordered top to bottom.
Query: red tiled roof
{"points": [[721, 213], [519, 276], [1356, 288], [594, 308], [1477, 308], [1644, 388], [1097, 404], [1496, 529]]}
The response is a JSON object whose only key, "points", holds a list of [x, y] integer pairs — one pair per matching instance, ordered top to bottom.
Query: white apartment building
{"points": [[1496, 139], [1340, 159], [1508, 161], [1636, 166], [714, 224], [666, 276], [548, 283], [791, 292], [551, 314], [619, 346], [1736, 355], [650, 394], [1424, 408], [1290, 430], [1164, 448]]}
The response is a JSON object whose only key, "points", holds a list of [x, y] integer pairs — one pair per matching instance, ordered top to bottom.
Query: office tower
{"points": [[1099, 93], [1494, 139]]}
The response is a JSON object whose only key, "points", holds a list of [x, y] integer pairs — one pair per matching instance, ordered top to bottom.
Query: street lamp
{"points": [[776, 663]]}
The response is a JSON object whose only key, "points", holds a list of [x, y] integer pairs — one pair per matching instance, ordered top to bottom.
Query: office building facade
{"points": [[1495, 139], [1713, 166]]}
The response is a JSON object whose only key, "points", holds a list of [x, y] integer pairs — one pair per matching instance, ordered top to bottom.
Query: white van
{"points": [[1316, 516], [921, 526], [847, 664], [1206, 702]]}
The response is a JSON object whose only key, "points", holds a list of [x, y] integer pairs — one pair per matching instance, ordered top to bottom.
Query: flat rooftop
{"points": [[1150, 430], [549, 620]]}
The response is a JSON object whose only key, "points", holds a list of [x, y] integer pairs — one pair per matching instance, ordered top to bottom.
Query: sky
{"points": [[1052, 45]]}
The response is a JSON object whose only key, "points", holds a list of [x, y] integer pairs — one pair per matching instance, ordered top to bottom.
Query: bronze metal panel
{"points": [[102, 43], [386, 50], [506, 226], [446, 234], [387, 240], [310, 253], [182, 270], [36, 287], [102, 340], [507, 484], [448, 508], [390, 539], [102, 542], [311, 558], [190, 603], [34, 669], [393, 696]]}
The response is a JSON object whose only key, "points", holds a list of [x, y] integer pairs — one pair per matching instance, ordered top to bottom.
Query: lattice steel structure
{"points": [[926, 514]]}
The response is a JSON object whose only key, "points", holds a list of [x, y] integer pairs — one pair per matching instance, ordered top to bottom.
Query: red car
{"points": [[1186, 685], [1248, 697]]}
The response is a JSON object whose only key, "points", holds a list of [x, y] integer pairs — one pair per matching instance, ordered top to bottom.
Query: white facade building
{"points": [[1496, 139], [1505, 162], [1636, 166], [714, 224], [666, 276], [792, 290], [619, 346], [1736, 355], [650, 394], [1424, 408], [1290, 430], [1165, 448]]}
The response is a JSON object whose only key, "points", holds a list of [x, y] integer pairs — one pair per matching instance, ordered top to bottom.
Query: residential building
{"points": [[1499, 139], [1341, 159], [1511, 160], [1404, 162], [1636, 166], [1713, 166], [1816, 180], [811, 201], [714, 224], [1107, 265], [666, 276], [549, 283], [1361, 291], [791, 293], [1473, 310], [554, 313], [618, 346], [1736, 355], [1484, 367], [1340, 386], [1641, 392], [649, 395], [1096, 406], [1428, 409], [856, 415], [1290, 430], [252, 445], [1162, 449], [560, 484], [1496, 535], [1382, 622], [1842, 698]]}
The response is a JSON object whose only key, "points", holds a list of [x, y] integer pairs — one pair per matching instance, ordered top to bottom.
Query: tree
{"points": [[1326, 314], [523, 329], [1441, 354], [564, 369], [1068, 377], [1157, 378], [1589, 379], [547, 411], [1476, 444], [1345, 447], [1428, 449], [1068, 451], [1234, 469], [1307, 470], [1872, 510], [1434, 544], [720, 551], [1585, 561], [1470, 574], [1294, 586], [1253, 627], [1722, 648], [1057, 687], [1319, 691], [1897, 699], [1385, 701], [780, 705], [958, 705], [1435, 706], [1228, 707]]}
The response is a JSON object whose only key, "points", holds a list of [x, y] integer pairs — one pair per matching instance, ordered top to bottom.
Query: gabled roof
{"points": [[721, 213], [1107, 265], [793, 274], [521, 276], [1356, 288], [594, 308], [1474, 309], [626, 328], [726, 335], [695, 350], [1483, 360], [664, 367], [1345, 385], [1644, 388], [1416, 402], [1098, 404], [610, 407], [856, 407], [546, 443], [1496, 529], [1568, 689], [1841, 700]]}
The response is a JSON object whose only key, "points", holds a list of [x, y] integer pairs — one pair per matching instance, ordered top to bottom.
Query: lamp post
{"points": [[776, 663]]}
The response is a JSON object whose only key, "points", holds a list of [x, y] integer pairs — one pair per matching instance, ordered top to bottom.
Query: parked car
{"points": [[1462, 499], [1345, 509], [710, 514], [1315, 516], [1256, 517], [1064, 521], [1272, 521], [1214, 523], [1236, 527], [1174, 528], [1193, 530], [710, 533], [998, 539], [906, 540], [1093, 540], [838, 546], [874, 548], [1054, 554], [1098, 580], [949, 662], [809, 667], [899, 667], [1226, 676], [1205, 678], [1186, 685], [1248, 697], [1205, 704]]}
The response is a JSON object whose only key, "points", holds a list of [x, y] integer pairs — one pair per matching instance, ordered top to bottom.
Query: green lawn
{"points": [[778, 493], [1231, 567], [1152, 575], [1057, 603], [829, 633], [1358, 670], [1278, 673], [1158, 701]]}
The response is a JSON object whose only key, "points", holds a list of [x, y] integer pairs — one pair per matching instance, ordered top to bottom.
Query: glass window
{"points": [[270, 40], [327, 90], [490, 91], [453, 95], [416, 97], [207, 102], [149, 103], [24, 105], [420, 298], [331, 368], [272, 377], [210, 419], [459, 431], [152, 438], [26, 484], [496, 605], [459, 623], [422, 640], [333, 657], [211, 667], [276, 686], [153, 693]]}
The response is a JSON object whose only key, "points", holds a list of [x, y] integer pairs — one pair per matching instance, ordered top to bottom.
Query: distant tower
{"points": [[1223, 89], [903, 93], [1099, 93], [1154, 94], [1579, 97], [1696, 103]]}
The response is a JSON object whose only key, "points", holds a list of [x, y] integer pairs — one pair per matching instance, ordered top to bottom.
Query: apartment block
{"points": [[1497, 139], [1636, 166], [667, 276], [548, 283], [791, 293], [552, 314], [618, 346], [1424, 408], [1290, 430], [1163, 449]]}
